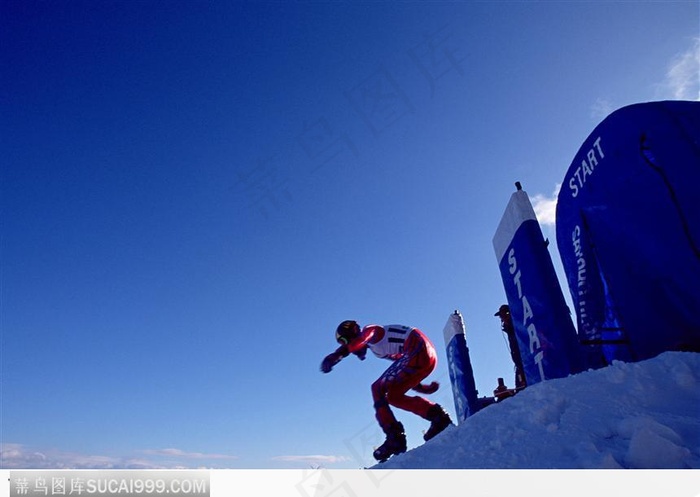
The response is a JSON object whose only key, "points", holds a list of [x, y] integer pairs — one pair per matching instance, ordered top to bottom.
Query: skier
{"points": [[503, 312], [414, 358]]}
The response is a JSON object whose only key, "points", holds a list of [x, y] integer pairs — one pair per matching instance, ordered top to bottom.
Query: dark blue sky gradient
{"points": [[194, 194]]}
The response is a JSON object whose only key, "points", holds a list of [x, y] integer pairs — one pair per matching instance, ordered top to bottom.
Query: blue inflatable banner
{"points": [[628, 231], [543, 326], [460, 367]]}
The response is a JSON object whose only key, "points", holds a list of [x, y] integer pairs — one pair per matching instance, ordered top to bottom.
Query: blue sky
{"points": [[194, 195]]}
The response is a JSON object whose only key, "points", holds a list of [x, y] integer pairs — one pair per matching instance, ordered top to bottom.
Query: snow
{"points": [[628, 415]]}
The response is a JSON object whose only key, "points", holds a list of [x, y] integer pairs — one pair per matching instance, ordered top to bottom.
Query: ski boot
{"points": [[439, 420], [395, 442]]}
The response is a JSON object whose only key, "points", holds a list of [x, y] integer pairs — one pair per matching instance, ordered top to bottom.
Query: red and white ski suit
{"points": [[414, 359]]}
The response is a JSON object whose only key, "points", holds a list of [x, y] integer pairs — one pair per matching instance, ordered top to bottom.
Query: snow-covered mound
{"points": [[628, 415]]}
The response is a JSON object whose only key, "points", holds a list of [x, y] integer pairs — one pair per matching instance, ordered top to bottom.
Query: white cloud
{"points": [[683, 75], [681, 82], [601, 109], [546, 207], [185, 455], [17, 456], [314, 460]]}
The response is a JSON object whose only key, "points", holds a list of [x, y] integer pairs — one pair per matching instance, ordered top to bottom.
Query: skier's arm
{"points": [[365, 337], [358, 346], [334, 358]]}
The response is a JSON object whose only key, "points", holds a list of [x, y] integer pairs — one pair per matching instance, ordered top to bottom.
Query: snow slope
{"points": [[628, 415]]}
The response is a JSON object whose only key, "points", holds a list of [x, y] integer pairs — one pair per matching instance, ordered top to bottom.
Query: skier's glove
{"points": [[329, 361], [432, 387]]}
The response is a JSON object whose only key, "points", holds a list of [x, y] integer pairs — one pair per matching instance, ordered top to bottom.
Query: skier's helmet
{"points": [[347, 331]]}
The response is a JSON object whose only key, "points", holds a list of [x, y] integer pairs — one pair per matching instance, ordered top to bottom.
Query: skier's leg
{"points": [[416, 365], [396, 395], [382, 411], [395, 442]]}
